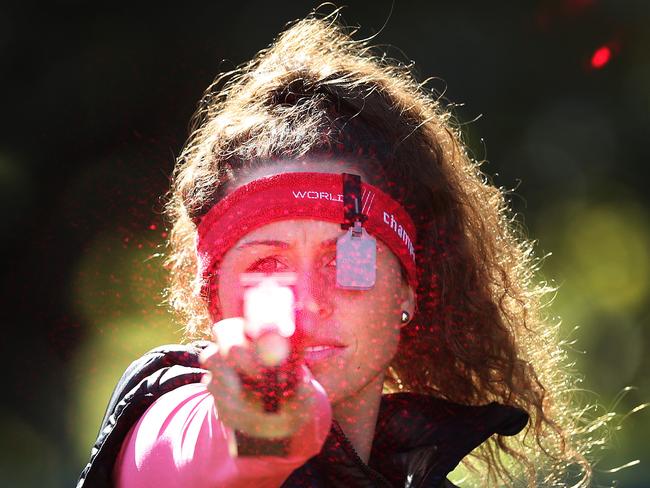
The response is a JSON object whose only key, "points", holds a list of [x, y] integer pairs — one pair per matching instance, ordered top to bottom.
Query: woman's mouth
{"points": [[321, 352]]}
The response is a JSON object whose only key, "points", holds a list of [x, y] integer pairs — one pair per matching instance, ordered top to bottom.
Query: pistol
{"points": [[270, 317]]}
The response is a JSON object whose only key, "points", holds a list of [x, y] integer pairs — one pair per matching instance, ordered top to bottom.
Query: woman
{"points": [[449, 322]]}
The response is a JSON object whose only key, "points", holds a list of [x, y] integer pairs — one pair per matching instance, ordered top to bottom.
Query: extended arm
{"points": [[180, 441]]}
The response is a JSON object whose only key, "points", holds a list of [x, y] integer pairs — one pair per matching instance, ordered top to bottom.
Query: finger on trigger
{"points": [[243, 360], [223, 380]]}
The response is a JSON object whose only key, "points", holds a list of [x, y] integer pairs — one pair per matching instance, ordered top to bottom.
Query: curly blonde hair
{"points": [[480, 311]]}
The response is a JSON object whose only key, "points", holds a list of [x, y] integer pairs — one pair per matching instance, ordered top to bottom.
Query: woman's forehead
{"points": [[312, 165], [292, 232]]}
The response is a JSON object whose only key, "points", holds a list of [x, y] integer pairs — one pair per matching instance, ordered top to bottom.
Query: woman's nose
{"points": [[312, 295]]}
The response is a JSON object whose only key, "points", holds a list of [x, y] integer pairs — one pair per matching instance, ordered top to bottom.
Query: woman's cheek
{"points": [[231, 297]]}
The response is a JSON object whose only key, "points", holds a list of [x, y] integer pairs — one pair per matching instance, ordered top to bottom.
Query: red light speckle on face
{"points": [[601, 57]]}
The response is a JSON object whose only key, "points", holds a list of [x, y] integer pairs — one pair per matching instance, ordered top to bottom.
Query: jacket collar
{"points": [[425, 437], [419, 439]]}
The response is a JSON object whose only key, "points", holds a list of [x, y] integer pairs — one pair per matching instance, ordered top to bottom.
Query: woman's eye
{"points": [[269, 264]]}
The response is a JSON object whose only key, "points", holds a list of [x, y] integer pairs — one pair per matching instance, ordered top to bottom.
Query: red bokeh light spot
{"points": [[575, 6], [601, 57], [152, 227]]}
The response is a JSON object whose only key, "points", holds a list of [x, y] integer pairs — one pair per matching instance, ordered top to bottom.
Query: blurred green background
{"points": [[555, 95]]}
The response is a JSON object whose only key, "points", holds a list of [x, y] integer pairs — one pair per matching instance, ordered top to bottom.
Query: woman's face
{"points": [[350, 337]]}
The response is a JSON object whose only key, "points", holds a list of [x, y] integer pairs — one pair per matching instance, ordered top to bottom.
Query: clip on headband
{"points": [[362, 209]]}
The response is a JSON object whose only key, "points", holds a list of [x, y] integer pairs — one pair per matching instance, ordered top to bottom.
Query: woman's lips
{"points": [[321, 352]]}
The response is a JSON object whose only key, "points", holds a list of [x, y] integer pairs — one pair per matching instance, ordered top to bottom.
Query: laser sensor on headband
{"points": [[356, 250]]}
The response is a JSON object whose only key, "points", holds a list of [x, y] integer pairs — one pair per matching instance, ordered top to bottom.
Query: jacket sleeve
{"points": [[180, 441]]}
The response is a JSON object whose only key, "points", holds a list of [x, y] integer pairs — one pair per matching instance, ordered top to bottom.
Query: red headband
{"points": [[300, 195]]}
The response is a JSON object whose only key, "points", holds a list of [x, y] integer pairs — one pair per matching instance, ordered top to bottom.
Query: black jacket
{"points": [[418, 440]]}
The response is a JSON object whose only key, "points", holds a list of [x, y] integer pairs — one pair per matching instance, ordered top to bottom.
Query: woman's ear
{"points": [[408, 304]]}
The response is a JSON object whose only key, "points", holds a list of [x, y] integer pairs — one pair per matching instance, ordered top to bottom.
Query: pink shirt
{"points": [[180, 441]]}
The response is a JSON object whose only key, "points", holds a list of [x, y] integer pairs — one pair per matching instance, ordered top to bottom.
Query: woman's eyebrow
{"points": [[264, 242], [282, 244]]}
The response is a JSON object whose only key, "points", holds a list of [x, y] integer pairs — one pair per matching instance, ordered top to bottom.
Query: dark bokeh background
{"points": [[95, 108]]}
